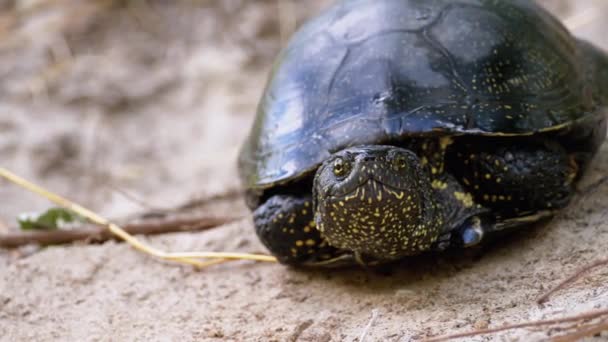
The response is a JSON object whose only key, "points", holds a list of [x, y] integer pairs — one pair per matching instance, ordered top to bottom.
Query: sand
{"points": [[155, 98]]}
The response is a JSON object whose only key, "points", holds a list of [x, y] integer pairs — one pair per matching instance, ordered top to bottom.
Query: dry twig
{"points": [[100, 233], [189, 258], [542, 299], [580, 317], [587, 331]]}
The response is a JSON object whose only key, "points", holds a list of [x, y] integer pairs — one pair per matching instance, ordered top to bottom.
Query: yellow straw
{"points": [[184, 258]]}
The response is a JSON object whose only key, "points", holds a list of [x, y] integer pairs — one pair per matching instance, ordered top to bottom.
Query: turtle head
{"points": [[376, 201]]}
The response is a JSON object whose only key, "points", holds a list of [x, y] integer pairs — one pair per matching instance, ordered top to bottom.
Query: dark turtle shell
{"points": [[376, 71]]}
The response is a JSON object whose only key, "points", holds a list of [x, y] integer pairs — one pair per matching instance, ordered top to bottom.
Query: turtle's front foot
{"points": [[285, 225], [481, 228], [470, 233]]}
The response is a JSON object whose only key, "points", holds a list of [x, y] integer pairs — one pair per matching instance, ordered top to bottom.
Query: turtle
{"points": [[392, 128]]}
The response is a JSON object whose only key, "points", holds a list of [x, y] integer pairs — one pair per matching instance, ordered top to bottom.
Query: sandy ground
{"points": [[155, 98]]}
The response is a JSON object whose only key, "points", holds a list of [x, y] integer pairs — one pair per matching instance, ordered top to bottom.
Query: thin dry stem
{"points": [[100, 233], [184, 258], [542, 299], [583, 316], [369, 325], [587, 331]]}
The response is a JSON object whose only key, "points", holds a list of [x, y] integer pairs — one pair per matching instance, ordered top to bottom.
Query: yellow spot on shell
{"points": [[444, 142], [310, 242], [299, 243]]}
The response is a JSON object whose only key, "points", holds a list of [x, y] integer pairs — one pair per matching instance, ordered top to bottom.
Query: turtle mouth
{"points": [[367, 188]]}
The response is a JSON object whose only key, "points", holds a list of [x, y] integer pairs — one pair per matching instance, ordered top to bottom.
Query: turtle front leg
{"points": [[515, 178], [285, 225], [484, 227]]}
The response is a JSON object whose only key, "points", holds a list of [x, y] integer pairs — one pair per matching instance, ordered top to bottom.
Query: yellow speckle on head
{"points": [[424, 161], [434, 170], [488, 176], [498, 180], [437, 184], [398, 195], [465, 198], [307, 204], [304, 211], [307, 229]]}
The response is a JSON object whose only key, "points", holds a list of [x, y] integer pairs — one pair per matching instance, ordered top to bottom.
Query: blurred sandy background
{"points": [[154, 98]]}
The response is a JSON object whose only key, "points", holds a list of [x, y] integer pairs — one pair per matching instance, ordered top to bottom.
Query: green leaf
{"points": [[54, 218]]}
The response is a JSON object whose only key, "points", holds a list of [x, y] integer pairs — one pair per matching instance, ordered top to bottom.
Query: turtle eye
{"points": [[399, 161], [341, 167]]}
